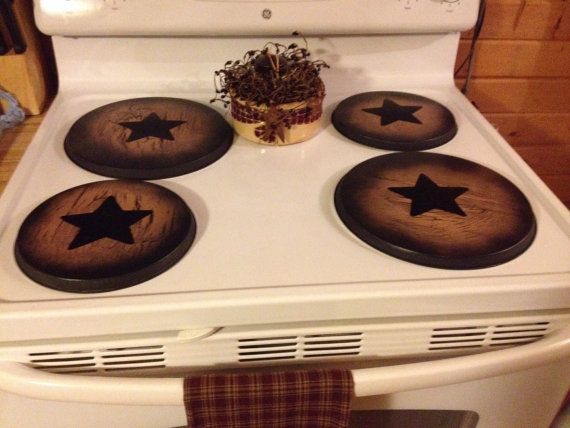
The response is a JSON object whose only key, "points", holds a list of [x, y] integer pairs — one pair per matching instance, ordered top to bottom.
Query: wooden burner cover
{"points": [[394, 121], [148, 138], [436, 210], [104, 236]]}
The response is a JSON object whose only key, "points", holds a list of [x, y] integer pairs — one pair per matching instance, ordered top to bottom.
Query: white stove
{"points": [[271, 257]]}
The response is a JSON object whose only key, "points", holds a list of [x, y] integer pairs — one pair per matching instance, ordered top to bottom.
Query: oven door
{"points": [[521, 386]]}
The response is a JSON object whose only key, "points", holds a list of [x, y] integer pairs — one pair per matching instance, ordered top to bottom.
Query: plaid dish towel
{"points": [[295, 399]]}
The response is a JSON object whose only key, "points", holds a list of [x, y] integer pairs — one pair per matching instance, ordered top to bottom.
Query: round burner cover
{"points": [[394, 121], [148, 138], [436, 210], [104, 236]]}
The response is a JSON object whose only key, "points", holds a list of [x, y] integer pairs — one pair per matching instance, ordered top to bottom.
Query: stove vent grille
{"points": [[448, 338], [299, 347], [230, 348], [98, 361]]}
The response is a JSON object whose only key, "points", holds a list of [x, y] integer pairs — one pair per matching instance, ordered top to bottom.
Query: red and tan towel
{"points": [[295, 399]]}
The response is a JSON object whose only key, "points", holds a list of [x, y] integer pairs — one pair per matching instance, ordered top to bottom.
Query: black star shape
{"points": [[392, 112], [151, 126], [426, 196], [107, 221]]}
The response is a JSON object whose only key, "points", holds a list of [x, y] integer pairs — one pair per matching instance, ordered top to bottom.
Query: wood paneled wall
{"points": [[521, 82]]}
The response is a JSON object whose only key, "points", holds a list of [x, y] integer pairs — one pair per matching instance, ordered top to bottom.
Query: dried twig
{"points": [[274, 75], [269, 78]]}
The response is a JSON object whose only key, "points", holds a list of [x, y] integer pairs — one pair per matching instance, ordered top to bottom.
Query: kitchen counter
{"points": [[13, 144]]}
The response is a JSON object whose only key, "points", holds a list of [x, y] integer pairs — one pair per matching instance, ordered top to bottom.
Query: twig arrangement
{"points": [[271, 77]]}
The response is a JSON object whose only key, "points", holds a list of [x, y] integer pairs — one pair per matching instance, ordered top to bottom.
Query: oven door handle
{"points": [[23, 380]]}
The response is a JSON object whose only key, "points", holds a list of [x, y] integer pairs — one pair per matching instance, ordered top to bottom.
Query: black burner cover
{"points": [[394, 121], [148, 138], [436, 210], [104, 236]]}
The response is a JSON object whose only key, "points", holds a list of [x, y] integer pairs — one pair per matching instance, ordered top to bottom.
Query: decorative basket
{"points": [[275, 94], [277, 125]]}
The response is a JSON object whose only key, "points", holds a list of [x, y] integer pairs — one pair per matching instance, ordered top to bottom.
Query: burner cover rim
{"points": [[400, 142], [78, 150], [150, 173], [154, 258], [470, 261], [108, 283]]}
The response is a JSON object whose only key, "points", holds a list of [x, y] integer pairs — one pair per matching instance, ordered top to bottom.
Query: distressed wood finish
{"points": [[394, 121], [148, 138], [469, 216], [146, 230]]}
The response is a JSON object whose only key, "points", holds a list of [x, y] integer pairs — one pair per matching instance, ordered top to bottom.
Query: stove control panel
{"points": [[450, 6], [252, 17]]}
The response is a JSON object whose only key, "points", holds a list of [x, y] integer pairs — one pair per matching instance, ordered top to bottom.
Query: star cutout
{"points": [[391, 112], [151, 126], [426, 196], [107, 221]]}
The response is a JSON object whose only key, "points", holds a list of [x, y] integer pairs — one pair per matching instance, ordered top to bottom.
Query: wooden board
{"points": [[526, 19], [517, 58], [541, 95], [540, 129], [547, 160], [552, 164], [560, 185], [435, 210], [104, 236]]}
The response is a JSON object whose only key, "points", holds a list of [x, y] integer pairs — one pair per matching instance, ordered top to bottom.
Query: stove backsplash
{"points": [[278, 17]]}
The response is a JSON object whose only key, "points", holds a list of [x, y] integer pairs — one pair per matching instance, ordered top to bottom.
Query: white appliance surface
{"points": [[231, 17], [266, 216], [268, 234], [272, 262]]}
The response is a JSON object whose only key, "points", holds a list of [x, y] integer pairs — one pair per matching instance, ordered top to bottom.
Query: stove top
{"points": [[266, 217], [109, 235], [269, 246]]}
